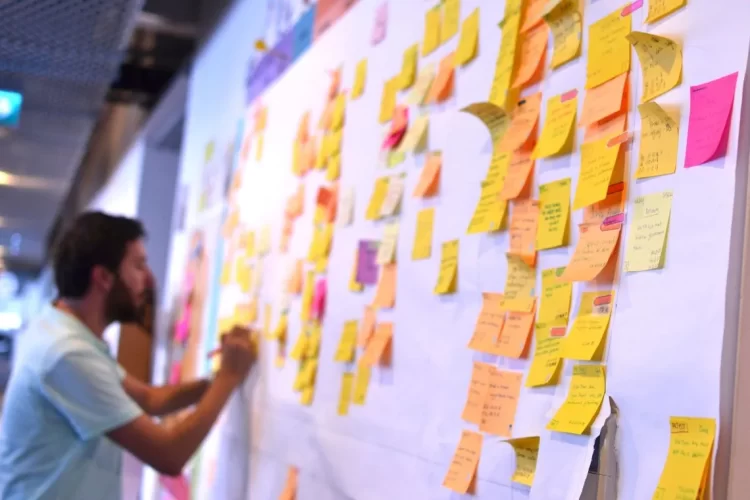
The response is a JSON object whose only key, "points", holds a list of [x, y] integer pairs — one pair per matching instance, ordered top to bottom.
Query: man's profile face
{"points": [[127, 296]]}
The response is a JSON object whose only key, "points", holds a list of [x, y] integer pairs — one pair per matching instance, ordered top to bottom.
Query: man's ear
{"points": [[102, 278]]}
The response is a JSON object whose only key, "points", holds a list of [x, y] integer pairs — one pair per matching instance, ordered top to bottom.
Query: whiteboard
{"points": [[666, 337]]}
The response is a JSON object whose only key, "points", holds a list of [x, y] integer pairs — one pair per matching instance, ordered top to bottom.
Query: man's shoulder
{"points": [[45, 342]]}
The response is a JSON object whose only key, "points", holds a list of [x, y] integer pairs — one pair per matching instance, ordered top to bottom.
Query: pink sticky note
{"points": [[632, 7], [380, 28], [710, 119], [393, 140], [319, 299], [182, 329], [175, 373], [178, 487]]}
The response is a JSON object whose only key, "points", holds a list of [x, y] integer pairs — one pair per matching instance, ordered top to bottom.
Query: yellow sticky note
{"points": [[660, 8], [451, 19], [565, 22], [431, 40], [467, 45], [609, 49], [661, 63], [408, 68], [360, 78], [423, 84], [501, 93], [388, 100], [337, 118], [494, 118], [559, 127], [660, 136], [416, 138], [259, 148], [598, 161], [499, 166], [333, 170], [379, 193], [392, 200], [554, 205], [489, 215], [648, 232], [387, 248], [422, 248], [448, 269], [354, 285], [520, 286], [307, 295], [554, 308], [280, 332], [315, 336], [585, 341], [347, 342], [300, 347], [547, 362], [361, 384], [307, 396], [345, 396], [585, 396], [527, 451], [688, 462]]}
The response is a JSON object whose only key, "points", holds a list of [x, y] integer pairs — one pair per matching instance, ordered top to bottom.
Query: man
{"points": [[70, 409]]}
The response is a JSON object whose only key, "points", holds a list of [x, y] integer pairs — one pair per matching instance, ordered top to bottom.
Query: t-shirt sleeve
{"points": [[86, 388]]}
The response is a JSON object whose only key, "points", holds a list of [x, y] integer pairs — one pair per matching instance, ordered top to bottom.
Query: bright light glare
{"points": [[10, 321]]}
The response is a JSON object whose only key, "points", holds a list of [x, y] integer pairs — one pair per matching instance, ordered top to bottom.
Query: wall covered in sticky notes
{"points": [[654, 188]]}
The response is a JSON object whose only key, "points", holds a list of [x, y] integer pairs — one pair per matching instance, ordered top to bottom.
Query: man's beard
{"points": [[120, 306]]}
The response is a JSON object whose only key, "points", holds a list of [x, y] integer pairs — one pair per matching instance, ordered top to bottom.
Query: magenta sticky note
{"points": [[380, 27], [710, 119], [319, 299], [182, 330]]}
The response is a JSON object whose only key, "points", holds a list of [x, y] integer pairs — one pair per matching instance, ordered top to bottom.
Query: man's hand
{"points": [[237, 354]]}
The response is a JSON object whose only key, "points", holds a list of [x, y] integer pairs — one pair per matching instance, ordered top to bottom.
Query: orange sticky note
{"points": [[532, 13], [533, 49], [442, 87], [605, 100], [400, 119], [523, 122], [612, 126], [303, 129], [517, 178], [429, 179], [610, 206], [523, 224], [594, 249], [295, 280], [385, 295], [489, 323], [366, 327], [515, 335], [377, 350], [478, 388], [499, 410], [463, 468], [290, 487]]}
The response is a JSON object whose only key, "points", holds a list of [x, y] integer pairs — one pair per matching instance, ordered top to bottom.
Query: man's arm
{"points": [[158, 401], [168, 449]]}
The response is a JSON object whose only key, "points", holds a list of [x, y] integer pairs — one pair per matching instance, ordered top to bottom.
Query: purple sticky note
{"points": [[380, 28], [710, 119], [367, 267], [319, 299]]}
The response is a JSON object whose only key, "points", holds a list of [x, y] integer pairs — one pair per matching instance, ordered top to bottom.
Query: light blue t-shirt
{"points": [[65, 394]]}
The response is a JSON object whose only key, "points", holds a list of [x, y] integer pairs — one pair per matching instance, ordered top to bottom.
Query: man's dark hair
{"points": [[94, 239]]}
